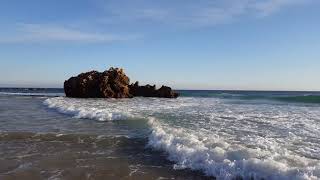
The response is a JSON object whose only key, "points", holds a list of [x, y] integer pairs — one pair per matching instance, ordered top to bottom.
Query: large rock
{"points": [[112, 83]]}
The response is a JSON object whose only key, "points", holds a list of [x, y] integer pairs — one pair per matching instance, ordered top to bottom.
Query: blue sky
{"points": [[187, 44]]}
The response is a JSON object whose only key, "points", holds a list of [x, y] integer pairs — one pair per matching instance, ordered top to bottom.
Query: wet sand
{"points": [[31, 156]]}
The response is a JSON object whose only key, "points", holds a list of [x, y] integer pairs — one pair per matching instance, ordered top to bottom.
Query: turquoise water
{"points": [[286, 96], [202, 134]]}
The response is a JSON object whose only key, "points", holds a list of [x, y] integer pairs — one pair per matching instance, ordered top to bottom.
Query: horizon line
{"points": [[179, 89]]}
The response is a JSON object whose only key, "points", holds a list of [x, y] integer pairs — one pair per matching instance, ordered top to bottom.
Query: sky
{"points": [[186, 44]]}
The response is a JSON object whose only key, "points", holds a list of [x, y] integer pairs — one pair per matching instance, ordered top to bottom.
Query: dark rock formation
{"points": [[112, 83], [108, 84], [151, 91]]}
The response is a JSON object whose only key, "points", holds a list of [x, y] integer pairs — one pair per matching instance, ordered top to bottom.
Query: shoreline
{"points": [[96, 158]]}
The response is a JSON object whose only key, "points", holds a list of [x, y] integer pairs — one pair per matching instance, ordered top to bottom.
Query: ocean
{"points": [[200, 135]]}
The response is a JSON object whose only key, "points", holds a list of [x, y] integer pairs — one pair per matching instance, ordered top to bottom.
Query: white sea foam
{"points": [[111, 109], [78, 110], [222, 138], [215, 157]]}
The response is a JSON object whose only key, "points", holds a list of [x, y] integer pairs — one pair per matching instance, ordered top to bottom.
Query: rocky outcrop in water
{"points": [[112, 83], [151, 91]]}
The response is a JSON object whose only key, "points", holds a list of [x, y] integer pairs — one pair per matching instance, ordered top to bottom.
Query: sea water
{"points": [[202, 134]]}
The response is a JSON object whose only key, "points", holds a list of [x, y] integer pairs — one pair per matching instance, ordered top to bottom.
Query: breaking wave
{"points": [[80, 110], [221, 139], [215, 157]]}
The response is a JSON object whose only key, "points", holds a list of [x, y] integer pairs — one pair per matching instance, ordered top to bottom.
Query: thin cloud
{"points": [[266, 8], [190, 12], [52, 33]]}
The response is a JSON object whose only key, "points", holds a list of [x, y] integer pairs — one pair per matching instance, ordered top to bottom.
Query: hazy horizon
{"points": [[214, 45]]}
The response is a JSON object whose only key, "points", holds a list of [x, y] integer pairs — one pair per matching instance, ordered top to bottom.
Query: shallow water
{"points": [[218, 135], [37, 142], [78, 156]]}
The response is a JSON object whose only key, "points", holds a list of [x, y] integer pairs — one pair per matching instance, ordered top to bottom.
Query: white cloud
{"points": [[51, 33]]}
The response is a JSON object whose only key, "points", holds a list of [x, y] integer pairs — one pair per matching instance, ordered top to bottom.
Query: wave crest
{"points": [[78, 110], [218, 137], [217, 158]]}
